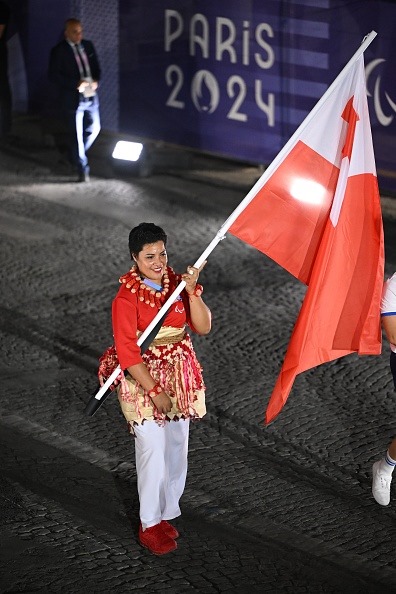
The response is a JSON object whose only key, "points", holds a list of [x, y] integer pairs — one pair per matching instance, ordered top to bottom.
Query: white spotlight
{"points": [[127, 151]]}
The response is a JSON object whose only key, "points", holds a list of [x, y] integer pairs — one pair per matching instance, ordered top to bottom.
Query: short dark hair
{"points": [[143, 234]]}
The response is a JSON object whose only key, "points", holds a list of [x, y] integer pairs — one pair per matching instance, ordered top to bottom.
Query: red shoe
{"points": [[169, 529], [156, 541]]}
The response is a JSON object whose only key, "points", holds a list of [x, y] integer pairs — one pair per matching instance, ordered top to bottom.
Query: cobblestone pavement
{"points": [[284, 508]]}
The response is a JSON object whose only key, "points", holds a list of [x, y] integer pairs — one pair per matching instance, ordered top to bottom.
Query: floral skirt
{"points": [[175, 367]]}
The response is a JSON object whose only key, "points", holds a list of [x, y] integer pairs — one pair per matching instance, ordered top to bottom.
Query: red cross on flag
{"points": [[319, 216]]}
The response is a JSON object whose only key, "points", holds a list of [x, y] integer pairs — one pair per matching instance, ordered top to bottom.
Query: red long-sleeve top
{"points": [[129, 315]]}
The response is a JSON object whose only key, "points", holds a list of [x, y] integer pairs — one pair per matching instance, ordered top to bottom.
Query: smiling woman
{"points": [[161, 390]]}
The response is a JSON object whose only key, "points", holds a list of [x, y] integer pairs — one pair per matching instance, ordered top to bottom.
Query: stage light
{"points": [[127, 151]]}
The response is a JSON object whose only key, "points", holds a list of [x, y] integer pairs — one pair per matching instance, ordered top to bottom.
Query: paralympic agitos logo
{"points": [[383, 104]]}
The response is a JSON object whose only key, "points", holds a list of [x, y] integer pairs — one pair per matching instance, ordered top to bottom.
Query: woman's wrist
{"points": [[198, 290], [155, 391]]}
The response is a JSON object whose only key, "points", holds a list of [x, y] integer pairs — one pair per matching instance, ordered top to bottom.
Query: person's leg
{"points": [[74, 120], [91, 124], [82, 157], [392, 363], [392, 450], [391, 453], [176, 454], [150, 469], [383, 469], [151, 475]]}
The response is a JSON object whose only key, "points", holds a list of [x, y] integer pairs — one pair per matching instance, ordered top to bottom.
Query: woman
{"points": [[162, 390]]}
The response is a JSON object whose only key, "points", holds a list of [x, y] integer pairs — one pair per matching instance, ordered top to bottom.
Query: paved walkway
{"points": [[44, 141]]}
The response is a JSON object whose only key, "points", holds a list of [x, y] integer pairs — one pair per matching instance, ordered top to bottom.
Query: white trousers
{"points": [[161, 467]]}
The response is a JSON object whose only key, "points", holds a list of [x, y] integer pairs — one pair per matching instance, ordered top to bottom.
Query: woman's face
{"points": [[152, 260]]}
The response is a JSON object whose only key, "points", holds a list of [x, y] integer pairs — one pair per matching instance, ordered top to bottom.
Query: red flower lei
{"points": [[134, 282]]}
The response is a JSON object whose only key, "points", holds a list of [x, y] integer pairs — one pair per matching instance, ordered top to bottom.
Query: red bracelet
{"points": [[197, 291], [155, 390]]}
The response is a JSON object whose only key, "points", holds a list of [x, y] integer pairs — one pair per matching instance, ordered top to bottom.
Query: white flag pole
{"points": [[242, 205]]}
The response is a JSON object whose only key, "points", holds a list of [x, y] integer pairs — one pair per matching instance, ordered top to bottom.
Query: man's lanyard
{"points": [[82, 61]]}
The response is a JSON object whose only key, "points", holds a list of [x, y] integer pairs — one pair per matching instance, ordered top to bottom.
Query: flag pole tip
{"points": [[371, 34], [94, 404]]}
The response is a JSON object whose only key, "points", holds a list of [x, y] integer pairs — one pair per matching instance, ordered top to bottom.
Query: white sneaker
{"points": [[381, 484]]}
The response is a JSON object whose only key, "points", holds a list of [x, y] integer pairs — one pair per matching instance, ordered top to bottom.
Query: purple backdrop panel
{"points": [[202, 75], [231, 77], [237, 78]]}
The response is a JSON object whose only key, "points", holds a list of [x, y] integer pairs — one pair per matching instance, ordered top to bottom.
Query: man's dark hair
{"points": [[143, 234]]}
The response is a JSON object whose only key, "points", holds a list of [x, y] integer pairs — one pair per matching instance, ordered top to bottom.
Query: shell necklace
{"points": [[134, 282]]}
